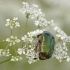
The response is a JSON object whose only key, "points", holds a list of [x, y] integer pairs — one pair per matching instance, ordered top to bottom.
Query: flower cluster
{"points": [[31, 12], [34, 12], [12, 23], [60, 34], [31, 35], [12, 40], [30, 40], [60, 50], [21, 51], [4, 52], [30, 53], [60, 53], [16, 58]]}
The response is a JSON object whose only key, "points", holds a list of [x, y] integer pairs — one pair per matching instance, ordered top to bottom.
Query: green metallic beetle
{"points": [[45, 45]]}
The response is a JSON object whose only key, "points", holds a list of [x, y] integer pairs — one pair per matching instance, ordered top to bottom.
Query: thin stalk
{"points": [[26, 25], [38, 27], [11, 32], [2, 41], [22, 44], [7, 46], [15, 50], [5, 61]]}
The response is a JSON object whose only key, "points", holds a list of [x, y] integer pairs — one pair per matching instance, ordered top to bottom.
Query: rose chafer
{"points": [[45, 45]]}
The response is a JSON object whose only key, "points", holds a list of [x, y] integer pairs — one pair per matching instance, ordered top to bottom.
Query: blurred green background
{"points": [[58, 10]]}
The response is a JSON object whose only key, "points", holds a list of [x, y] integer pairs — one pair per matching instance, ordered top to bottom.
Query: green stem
{"points": [[26, 26], [38, 27], [11, 32], [2, 41], [22, 44], [7, 46], [15, 50], [5, 61]]}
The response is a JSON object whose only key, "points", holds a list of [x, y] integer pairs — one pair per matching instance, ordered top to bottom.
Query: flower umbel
{"points": [[12, 23], [30, 39], [12, 40], [21, 51], [4, 52], [60, 52], [16, 58]]}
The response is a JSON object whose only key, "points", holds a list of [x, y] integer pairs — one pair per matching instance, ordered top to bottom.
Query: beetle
{"points": [[45, 45]]}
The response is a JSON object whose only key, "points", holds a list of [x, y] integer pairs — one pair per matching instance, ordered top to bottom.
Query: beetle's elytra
{"points": [[45, 45]]}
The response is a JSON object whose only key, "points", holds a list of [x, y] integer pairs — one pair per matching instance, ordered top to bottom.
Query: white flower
{"points": [[25, 3], [34, 5], [25, 10], [31, 12], [38, 13], [15, 18], [7, 20], [41, 22], [12, 23], [36, 23], [52, 23], [17, 24], [56, 28], [35, 33], [60, 34], [29, 38], [25, 39], [68, 39], [12, 40], [30, 43], [21, 51], [4, 52], [60, 52], [31, 54], [16, 58], [68, 58]]}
